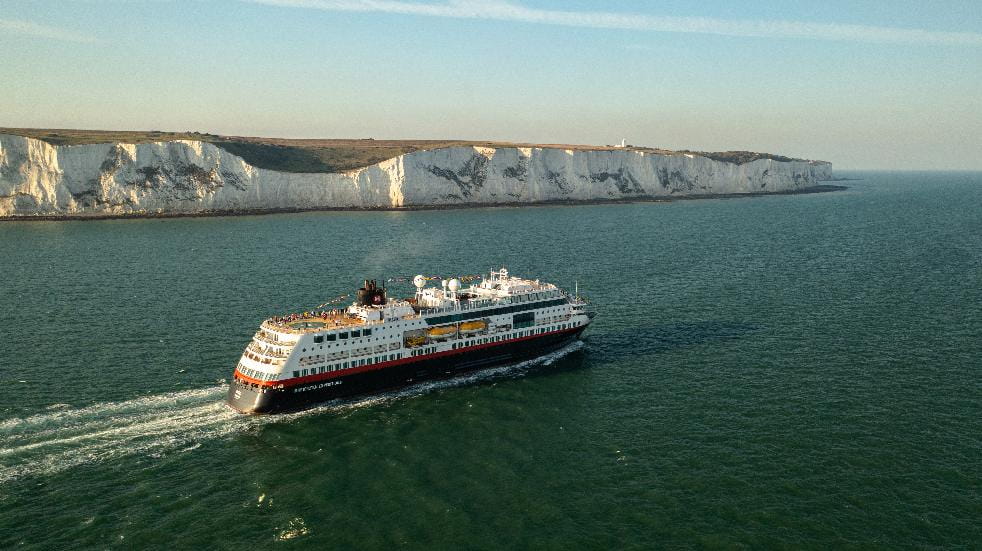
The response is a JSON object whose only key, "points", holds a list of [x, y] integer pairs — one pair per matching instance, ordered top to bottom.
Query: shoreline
{"points": [[821, 188]]}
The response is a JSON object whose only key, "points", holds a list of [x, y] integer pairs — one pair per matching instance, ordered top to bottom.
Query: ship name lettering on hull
{"points": [[315, 387]]}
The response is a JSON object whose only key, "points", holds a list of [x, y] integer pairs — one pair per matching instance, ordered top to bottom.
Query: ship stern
{"points": [[244, 398]]}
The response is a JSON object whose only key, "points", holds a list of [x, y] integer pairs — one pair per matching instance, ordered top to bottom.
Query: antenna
{"points": [[577, 283]]}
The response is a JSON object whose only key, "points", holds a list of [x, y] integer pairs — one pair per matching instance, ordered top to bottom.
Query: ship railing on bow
{"points": [[261, 337], [267, 351]]}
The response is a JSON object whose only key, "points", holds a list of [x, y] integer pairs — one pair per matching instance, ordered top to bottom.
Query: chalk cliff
{"points": [[37, 178]]}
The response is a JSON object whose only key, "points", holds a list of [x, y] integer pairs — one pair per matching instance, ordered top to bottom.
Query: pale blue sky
{"points": [[870, 84]]}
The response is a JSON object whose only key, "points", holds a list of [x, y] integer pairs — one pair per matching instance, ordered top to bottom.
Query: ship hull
{"points": [[248, 398]]}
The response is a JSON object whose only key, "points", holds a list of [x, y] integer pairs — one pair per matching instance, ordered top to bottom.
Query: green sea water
{"points": [[774, 372]]}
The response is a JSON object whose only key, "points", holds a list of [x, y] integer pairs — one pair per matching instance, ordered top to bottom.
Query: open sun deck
{"points": [[311, 322]]}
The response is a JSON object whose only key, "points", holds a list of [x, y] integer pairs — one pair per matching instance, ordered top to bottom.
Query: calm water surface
{"points": [[792, 371]]}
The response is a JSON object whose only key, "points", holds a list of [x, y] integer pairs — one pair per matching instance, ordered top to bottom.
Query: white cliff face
{"points": [[37, 178]]}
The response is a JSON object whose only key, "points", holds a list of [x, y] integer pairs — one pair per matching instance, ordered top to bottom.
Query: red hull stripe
{"points": [[382, 365]]}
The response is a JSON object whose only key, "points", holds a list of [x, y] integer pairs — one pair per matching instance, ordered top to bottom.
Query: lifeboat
{"points": [[471, 327], [444, 332], [415, 341]]}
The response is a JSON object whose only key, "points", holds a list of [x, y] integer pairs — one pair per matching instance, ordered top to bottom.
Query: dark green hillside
{"points": [[328, 155]]}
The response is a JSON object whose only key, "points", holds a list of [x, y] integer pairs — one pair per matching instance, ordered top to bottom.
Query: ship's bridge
{"points": [[500, 284], [499, 287]]}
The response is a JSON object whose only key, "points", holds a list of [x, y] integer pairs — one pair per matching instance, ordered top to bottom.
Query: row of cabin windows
{"points": [[535, 296], [464, 316], [354, 334], [477, 341], [321, 347], [423, 351], [258, 358], [307, 360], [345, 365], [255, 374]]}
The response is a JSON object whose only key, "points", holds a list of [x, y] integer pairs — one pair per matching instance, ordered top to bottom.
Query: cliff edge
{"points": [[38, 178]]}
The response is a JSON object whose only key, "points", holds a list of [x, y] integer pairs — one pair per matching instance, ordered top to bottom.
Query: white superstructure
{"points": [[376, 332]]}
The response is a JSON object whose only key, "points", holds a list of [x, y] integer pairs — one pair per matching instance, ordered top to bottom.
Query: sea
{"points": [[793, 371]]}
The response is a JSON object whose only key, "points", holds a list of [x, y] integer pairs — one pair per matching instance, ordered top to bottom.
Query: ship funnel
{"points": [[371, 295]]}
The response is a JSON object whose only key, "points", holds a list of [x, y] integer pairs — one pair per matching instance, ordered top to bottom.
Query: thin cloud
{"points": [[509, 11], [28, 28]]}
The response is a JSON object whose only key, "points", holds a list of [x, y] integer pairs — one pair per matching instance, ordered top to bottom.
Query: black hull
{"points": [[246, 398]]}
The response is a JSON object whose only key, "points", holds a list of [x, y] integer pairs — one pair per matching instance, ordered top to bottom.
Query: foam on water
{"points": [[62, 414], [52, 442]]}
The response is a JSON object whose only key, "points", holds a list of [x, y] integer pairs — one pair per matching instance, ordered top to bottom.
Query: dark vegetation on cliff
{"points": [[327, 155], [741, 157]]}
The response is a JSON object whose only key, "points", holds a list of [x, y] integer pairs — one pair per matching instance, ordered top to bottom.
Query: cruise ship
{"points": [[378, 343]]}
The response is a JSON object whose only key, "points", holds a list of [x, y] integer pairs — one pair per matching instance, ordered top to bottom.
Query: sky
{"points": [[866, 85]]}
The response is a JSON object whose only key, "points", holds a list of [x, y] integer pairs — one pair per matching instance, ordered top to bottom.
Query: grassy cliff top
{"points": [[328, 155]]}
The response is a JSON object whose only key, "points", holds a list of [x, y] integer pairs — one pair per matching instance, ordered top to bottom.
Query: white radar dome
{"points": [[419, 281], [454, 284]]}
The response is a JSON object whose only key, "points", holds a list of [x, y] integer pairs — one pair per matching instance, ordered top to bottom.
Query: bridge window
{"points": [[355, 334], [343, 335], [319, 338]]}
